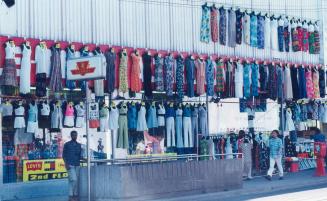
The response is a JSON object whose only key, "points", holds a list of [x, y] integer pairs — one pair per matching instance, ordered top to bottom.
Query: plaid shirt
{"points": [[275, 145]]}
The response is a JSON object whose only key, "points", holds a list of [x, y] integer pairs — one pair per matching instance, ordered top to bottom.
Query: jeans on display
{"points": [[203, 121], [195, 122], [179, 128], [170, 131], [188, 137], [277, 161], [73, 180]]}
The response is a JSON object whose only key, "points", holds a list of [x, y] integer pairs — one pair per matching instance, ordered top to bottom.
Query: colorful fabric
{"points": [[214, 24], [205, 25], [222, 26], [239, 26], [231, 28], [247, 28], [254, 31], [261, 32], [280, 35], [286, 35], [300, 35], [295, 38], [311, 39], [316, 41], [305, 47], [210, 68], [111, 71], [158, 73], [169, 74], [190, 75], [180, 77], [200, 77], [220, 77], [230, 79], [255, 79], [247, 80], [315, 81], [123, 82], [322, 82], [272, 83], [302, 83], [309, 83], [136, 84], [276, 146]]}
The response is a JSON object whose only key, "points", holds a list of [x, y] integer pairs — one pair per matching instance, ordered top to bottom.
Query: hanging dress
{"points": [[205, 24], [214, 24], [222, 26], [239, 26], [231, 28], [247, 28], [253, 30], [280, 30], [311, 30], [261, 32], [267, 33], [274, 34], [286, 35], [300, 35], [295, 37], [316, 40], [305, 47], [42, 60], [111, 70], [169, 70], [25, 71], [190, 72], [158, 73], [147, 74], [264, 74], [200, 76], [180, 77], [210, 77], [220, 77], [8, 78], [55, 79], [255, 79], [239, 80], [247, 80], [123, 81], [280, 81], [315, 81], [272, 82], [295, 82], [302, 82], [322, 82], [99, 83], [309, 83], [136, 84], [230, 87], [288, 90], [69, 116], [80, 116], [56, 117], [113, 118], [104, 119], [152, 119], [141, 120], [32, 124], [289, 124], [179, 128], [122, 141]]}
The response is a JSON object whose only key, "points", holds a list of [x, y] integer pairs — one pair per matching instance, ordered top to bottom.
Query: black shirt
{"points": [[72, 153]]}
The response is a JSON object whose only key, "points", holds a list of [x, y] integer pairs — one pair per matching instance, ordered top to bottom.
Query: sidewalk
{"points": [[254, 187]]}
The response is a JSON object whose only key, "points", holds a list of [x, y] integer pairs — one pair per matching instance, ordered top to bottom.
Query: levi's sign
{"points": [[86, 68]]}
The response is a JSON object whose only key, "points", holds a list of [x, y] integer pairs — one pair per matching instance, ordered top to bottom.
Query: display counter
{"points": [[157, 180]]}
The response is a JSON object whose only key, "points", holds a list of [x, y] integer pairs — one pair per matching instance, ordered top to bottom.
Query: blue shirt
{"points": [[170, 111], [187, 112], [132, 117], [319, 138], [275, 145], [72, 153]]}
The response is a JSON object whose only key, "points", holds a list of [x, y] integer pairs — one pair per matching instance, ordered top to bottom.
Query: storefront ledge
{"points": [[29, 190]]}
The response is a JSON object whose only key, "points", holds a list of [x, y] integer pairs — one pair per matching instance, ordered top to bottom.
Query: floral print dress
{"points": [[214, 24], [205, 25], [222, 26], [158, 73], [169, 74], [123, 82]]}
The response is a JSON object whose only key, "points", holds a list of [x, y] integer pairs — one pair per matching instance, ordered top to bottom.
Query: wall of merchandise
{"points": [[170, 25]]}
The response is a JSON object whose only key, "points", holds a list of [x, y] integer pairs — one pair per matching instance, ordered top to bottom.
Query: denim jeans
{"points": [[73, 180]]}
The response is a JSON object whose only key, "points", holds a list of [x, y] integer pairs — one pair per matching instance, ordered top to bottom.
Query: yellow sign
{"points": [[35, 170]]}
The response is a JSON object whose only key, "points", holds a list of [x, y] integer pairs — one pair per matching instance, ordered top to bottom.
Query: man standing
{"points": [[276, 147], [72, 155]]}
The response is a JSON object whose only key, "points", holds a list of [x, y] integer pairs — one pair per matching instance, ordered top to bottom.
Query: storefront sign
{"points": [[86, 68], [36, 170]]}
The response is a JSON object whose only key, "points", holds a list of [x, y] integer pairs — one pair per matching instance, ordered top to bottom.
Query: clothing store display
{"points": [[214, 23], [205, 24], [222, 26], [231, 28], [246, 28], [253, 30], [280, 31], [261, 32], [267, 34], [274, 34], [286, 34], [300, 35], [295, 37], [305, 38], [311, 39], [316, 40], [70, 54], [169, 69], [111, 70], [25, 71], [55, 73], [136, 73], [158, 73], [147, 74], [190, 75], [200, 76], [180, 77], [220, 77], [8, 78], [123, 79], [210, 79], [255, 79], [263, 79], [239, 80], [247, 80], [280, 81], [315, 81], [272, 82], [295, 82], [302, 82], [322, 82], [309, 83], [99, 84], [230, 87], [93, 110], [161, 115], [69, 116], [80, 116], [132, 116], [19, 117], [56, 117], [32, 118], [113, 118], [104, 119], [141, 120], [203, 121], [195, 122], [289, 124], [170, 126], [187, 127], [179, 128], [122, 141], [247, 155]]}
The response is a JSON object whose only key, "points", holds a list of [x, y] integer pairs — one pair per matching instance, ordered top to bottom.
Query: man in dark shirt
{"points": [[72, 155]]}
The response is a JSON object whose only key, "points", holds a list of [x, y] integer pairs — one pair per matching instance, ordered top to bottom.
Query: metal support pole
{"points": [[88, 143]]}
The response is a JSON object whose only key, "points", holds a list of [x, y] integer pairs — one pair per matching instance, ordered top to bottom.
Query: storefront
{"points": [[184, 87]]}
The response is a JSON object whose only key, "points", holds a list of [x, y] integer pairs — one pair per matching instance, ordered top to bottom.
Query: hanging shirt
{"points": [[222, 26], [253, 30], [42, 60]]}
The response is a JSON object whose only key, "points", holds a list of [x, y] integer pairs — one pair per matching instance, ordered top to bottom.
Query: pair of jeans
{"points": [[179, 128], [170, 130], [122, 132], [188, 137], [277, 161], [73, 180]]}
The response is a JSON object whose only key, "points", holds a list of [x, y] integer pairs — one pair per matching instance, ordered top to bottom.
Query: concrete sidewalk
{"points": [[257, 186]]}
